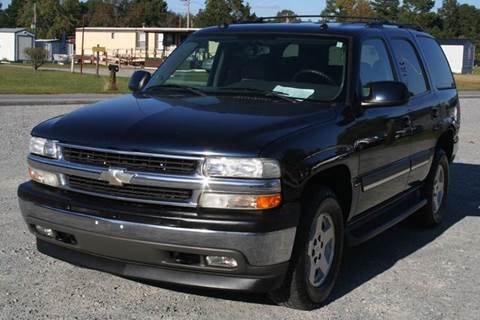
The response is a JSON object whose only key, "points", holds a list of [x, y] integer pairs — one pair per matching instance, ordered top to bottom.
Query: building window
{"points": [[168, 39], [140, 40]]}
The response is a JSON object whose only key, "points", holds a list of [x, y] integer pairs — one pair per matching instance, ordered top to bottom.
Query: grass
{"points": [[57, 65], [27, 81], [468, 82]]}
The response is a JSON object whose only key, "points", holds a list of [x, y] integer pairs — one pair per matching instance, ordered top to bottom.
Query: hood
{"points": [[184, 125]]}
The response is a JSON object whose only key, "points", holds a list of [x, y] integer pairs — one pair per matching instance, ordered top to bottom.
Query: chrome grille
{"points": [[131, 162], [130, 191]]}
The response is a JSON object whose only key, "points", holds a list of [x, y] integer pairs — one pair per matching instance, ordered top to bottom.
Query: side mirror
{"points": [[139, 80], [386, 93]]}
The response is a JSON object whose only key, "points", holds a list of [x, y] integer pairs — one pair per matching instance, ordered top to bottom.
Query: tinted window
{"points": [[437, 63], [374, 64], [410, 67]]}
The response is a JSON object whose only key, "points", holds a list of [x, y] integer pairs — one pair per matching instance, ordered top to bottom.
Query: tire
{"points": [[435, 190], [316, 245]]}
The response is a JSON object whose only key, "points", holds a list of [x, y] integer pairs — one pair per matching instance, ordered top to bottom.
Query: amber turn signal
{"points": [[268, 202]]}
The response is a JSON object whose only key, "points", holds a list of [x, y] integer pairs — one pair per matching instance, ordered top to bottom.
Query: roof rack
{"points": [[324, 18], [370, 21]]}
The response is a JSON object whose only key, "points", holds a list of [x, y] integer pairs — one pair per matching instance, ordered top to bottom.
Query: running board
{"points": [[379, 221]]}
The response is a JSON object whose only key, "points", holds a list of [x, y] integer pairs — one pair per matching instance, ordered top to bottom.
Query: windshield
{"points": [[296, 67]]}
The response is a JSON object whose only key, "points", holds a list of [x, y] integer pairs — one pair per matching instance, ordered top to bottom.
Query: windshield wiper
{"points": [[178, 86], [266, 93]]}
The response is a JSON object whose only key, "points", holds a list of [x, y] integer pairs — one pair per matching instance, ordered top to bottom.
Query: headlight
{"points": [[44, 147], [241, 168]]}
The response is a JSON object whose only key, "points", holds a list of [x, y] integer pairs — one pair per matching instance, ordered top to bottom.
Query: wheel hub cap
{"points": [[438, 189], [321, 249]]}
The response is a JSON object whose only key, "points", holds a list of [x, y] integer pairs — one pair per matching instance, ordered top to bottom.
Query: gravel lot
{"points": [[405, 273]]}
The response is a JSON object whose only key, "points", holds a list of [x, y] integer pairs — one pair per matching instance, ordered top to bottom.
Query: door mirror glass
{"points": [[139, 80], [386, 93]]}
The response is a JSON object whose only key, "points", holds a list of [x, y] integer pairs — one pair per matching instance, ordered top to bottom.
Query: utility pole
{"points": [[187, 4], [188, 14], [34, 23], [83, 43]]}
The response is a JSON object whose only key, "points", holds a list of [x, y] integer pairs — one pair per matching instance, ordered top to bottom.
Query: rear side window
{"points": [[437, 63], [374, 64], [410, 66]]}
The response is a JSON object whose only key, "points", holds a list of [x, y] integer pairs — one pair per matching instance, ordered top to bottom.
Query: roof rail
{"points": [[324, 18], [370, 21]]}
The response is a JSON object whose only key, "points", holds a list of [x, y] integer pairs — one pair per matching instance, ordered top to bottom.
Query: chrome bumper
{"points": [[259, 249]]}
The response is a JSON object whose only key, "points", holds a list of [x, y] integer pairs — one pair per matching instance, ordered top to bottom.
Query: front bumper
{"points": [[145, 251]]}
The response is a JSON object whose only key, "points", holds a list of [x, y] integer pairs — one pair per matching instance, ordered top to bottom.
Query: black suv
{"points": [[250, 158]]}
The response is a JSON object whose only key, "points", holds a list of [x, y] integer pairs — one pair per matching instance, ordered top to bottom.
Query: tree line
{"points": [[57, 17], [452, 20]]}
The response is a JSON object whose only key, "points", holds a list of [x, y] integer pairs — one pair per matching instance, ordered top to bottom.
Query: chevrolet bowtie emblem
{"points": [[116, 177]]}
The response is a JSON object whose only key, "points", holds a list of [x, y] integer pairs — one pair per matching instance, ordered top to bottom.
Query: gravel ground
{"points": [[405, 273]]}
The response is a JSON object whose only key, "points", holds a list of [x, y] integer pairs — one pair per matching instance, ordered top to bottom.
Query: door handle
{"points": [[407, 122], [406, 128]]}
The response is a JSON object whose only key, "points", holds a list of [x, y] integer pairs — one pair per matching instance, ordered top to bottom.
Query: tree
{"points": [[418, 6], [351, 8], [331, 9], [386, 9], [13, 11], [223, 11], [240, 11], [418, 12], [151, 13], [102, 14], [289, 15], [3, 18], [52, 18], [450, 18], [469, 23], [37, 56]]}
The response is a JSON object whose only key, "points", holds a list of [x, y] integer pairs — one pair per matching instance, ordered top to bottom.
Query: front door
{"points": [[382, 134]]}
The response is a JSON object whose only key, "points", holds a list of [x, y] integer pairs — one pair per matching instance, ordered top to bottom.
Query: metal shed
{"points": [[13, 42], [52, 47], [460, 54]]}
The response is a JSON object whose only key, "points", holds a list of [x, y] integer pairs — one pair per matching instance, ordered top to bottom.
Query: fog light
{"points": [[48, 178], [239, 201], [47, 232], [223, 262]]}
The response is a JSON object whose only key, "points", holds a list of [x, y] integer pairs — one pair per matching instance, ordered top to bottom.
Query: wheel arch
{"points": [[446, 142], [339, 179]]}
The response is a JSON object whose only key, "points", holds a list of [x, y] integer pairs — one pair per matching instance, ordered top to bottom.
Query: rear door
{"points": [[423, 105], [427, 123], [381, 133]]}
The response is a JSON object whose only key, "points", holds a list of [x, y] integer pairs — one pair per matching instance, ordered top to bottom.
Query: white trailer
{"points": [[13, 42], [460, 54]]}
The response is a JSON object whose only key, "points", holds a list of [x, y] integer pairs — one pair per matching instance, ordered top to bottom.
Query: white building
{"points": [[13, 42], [130, 42], [460, 54]]}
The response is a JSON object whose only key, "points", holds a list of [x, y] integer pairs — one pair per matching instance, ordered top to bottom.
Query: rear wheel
{"points": [[435, 190], [317, 253]]}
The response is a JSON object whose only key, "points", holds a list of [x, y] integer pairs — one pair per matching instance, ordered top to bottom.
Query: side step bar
{"points": [[383, 218]]}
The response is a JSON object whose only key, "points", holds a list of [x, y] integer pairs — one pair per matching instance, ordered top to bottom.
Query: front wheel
{"points": [[317, 253]]}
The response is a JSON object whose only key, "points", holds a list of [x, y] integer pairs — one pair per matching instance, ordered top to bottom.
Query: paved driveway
{"points": [[405, 273]]}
